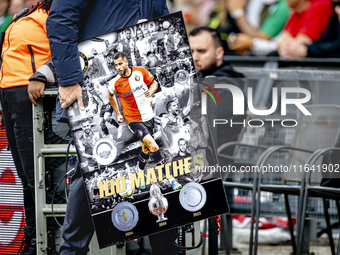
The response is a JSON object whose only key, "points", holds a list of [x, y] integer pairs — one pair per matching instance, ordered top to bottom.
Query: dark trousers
{"points": [[17, 111], [78, 229], [164, 243]]}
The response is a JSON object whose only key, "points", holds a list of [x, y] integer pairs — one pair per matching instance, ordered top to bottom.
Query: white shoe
{"points": [[120, 131]]}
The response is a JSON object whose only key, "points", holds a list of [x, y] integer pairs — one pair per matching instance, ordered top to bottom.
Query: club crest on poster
{"points": [[130, 193]]}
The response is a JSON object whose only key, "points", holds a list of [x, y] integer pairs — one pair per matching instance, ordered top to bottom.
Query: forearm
{"points": [[245, 27], [285, 36], [304, 39], [262, 47], [104, 80], [153, 87], [85, 155]]}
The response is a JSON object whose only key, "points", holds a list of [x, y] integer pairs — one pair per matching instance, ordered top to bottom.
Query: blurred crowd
{"points": [[9, 8], [285, 28]]}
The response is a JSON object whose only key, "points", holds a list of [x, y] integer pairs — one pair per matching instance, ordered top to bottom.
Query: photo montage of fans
{"points": [[135, 137]]}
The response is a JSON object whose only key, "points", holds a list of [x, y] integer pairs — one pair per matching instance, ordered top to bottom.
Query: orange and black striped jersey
{"points": [[136, 106]]}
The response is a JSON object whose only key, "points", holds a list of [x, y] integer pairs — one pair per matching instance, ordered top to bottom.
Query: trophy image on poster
{"points": [[193, 197], [158, 204], [124, 216]]}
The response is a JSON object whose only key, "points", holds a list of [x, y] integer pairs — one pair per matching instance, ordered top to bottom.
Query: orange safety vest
{"points": [[25, 48]]}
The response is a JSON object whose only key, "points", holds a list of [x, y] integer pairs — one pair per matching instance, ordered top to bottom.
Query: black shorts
{"points": [[105, 108], [142, 129]]}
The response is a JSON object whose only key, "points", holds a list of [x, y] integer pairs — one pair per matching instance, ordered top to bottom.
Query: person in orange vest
{"points": [[24, 49]]}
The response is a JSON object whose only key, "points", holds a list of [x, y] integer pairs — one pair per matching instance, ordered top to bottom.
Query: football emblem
{"points": [[84, 62], [137, 78], [140, 133]]}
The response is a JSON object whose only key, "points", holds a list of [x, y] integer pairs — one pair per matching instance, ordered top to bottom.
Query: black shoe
{"points": [[28, 245]]}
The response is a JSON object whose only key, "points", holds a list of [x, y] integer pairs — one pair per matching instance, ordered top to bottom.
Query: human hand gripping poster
{"points": [[142, 142]]}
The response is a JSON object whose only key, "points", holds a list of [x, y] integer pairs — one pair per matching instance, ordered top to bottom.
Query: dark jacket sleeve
{"points": [[159, 9], [165, 9], [62, 31], [329, 43], [324, 49]]}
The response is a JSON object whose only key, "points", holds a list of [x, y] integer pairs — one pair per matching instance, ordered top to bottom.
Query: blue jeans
{"points": [[17, 112]]}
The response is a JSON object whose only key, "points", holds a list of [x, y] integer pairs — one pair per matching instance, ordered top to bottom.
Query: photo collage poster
{"points": [[127, 202]]}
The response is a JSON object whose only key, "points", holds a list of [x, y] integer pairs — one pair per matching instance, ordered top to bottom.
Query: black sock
{"points": [[113, 122], [105, 130], [143, 159], [159, 159]]}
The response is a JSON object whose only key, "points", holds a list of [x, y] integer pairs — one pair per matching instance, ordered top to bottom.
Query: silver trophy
{"points": [[192, 197], [158, 204], [124, 216]]}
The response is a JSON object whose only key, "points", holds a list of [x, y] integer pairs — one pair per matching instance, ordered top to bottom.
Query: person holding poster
{"points": [[71, 22], [135, 86]]}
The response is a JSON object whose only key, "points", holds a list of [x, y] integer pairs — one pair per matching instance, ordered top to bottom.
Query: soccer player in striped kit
{"points": [[135, 86]]}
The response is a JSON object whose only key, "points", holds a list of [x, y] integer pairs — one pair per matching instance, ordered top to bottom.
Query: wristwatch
{"points": [[237, 14]]}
